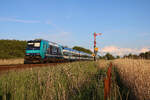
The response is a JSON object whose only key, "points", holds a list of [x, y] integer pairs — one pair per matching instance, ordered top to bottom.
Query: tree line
{"points": [[12, 49], [82, 49], [145, 55], [109, 56]]}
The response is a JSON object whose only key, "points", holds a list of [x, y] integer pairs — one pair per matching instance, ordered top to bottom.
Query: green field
{"points": [[70, 81]]}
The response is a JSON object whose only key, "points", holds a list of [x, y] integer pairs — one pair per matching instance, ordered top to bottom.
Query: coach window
{"points": [[50, 49], [54, 50], [59, 51], [65, 53]]}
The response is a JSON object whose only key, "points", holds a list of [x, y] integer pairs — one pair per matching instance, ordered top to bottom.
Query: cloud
{"points": [[18, 20], [144, 50], [122, 51]]}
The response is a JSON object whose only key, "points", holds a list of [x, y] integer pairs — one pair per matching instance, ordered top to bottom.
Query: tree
{"points": [[82, 49], [130, 55], [142, 55], [109, 56], [101, 57], [117, 57]]}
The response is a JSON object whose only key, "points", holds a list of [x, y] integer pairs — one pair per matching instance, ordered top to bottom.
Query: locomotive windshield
{"points": [[33, 45]]}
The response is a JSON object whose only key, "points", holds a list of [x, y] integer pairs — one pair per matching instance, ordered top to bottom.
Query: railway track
{"points": [[4, 68]]}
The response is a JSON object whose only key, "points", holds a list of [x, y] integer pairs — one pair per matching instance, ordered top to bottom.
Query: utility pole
{"points": [[95, 48]]}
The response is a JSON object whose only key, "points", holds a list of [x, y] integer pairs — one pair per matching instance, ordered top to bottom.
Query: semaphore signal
{"points": [[95, 48]]}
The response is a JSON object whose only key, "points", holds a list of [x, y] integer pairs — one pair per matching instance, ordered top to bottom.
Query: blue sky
{"points": [[125, 24]]}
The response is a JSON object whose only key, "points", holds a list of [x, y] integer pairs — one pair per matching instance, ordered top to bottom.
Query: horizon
{"points": [[124, 24]]}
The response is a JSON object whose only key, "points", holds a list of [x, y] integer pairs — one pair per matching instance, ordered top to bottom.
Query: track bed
{"points": [[5, 68]]}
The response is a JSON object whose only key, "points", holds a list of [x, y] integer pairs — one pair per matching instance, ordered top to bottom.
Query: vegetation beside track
{"points": [[10, 49], [11, 61], [134, 74], [132, 78], [69, 81], [78, 81], [118, 91]]}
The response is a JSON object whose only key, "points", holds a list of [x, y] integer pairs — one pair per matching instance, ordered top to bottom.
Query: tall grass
{"points": [[11, 61], [135, 74], [70, 81], [117, 92]]}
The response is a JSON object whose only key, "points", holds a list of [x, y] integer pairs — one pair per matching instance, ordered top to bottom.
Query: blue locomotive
{"points": [[44, 51]]}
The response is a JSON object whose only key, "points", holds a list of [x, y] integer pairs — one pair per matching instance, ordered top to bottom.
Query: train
{"points": [[43, 51]]}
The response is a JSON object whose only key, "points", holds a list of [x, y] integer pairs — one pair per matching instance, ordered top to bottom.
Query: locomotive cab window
{"points": [[36, 44], [33, 45]]}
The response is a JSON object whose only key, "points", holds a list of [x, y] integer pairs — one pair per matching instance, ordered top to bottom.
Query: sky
{"points": [[124, 24]]}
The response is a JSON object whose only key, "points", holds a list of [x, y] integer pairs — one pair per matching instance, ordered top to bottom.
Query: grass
{"points": [[11, 61], [135, 74], [71, 81], [78, 81], [118, 90]]}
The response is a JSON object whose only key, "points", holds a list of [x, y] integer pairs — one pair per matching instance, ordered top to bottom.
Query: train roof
{"points": [[37, 40], [34, 41], [54, 44], [77, 51]]}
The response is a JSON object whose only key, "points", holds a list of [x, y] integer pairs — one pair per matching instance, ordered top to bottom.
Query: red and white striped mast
{"points": [[95, 49]]}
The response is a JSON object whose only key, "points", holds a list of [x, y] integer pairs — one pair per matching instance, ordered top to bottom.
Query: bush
{"points": [[12, 49]]}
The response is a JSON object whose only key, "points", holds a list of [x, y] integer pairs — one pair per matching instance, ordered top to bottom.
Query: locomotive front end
{"points": [[33, 52]]}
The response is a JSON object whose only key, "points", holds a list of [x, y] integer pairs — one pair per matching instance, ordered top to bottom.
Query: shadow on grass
{"points": [[91, 90], [125, 92], [7, 97]]}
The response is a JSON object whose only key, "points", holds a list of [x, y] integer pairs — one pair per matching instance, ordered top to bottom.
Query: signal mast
{"points": [[95, 48]]}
